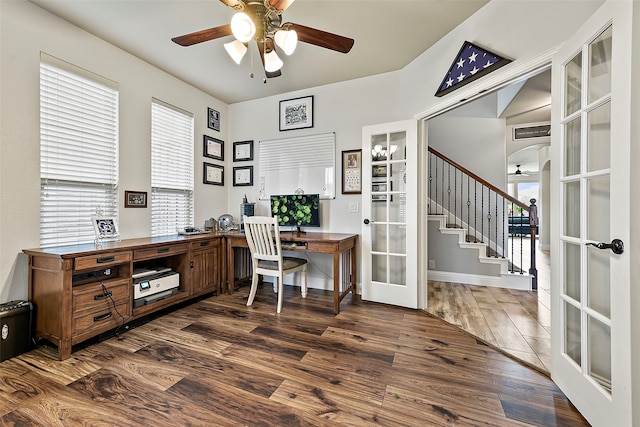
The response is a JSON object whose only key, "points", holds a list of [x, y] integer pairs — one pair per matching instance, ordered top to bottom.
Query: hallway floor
{"points": [[516, 322]]}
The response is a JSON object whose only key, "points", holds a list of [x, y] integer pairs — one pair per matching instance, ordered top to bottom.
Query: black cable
{"points": [[113, 303]]}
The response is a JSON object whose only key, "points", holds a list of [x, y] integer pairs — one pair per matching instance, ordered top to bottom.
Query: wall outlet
{"points": [[354, 207], [432, 264]]}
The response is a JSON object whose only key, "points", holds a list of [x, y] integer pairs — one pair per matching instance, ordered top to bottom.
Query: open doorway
{"points": [[517, 322]]}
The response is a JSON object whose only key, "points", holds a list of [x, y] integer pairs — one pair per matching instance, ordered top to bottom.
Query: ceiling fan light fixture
{"points": [[242, 27], [287, 40], [236, 50], [272, 62]]}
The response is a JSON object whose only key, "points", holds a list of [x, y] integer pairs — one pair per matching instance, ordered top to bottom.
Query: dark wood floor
{"points": [[217, 362]]}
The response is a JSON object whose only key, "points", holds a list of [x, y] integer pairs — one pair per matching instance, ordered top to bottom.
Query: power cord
{"points": [[113, 303]]}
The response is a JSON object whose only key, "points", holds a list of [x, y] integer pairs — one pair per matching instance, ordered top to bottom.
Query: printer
{"points": [[154, 284]]}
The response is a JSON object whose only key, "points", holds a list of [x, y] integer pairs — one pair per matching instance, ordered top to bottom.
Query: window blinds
{"points": [[78, 152], [171, 169]]}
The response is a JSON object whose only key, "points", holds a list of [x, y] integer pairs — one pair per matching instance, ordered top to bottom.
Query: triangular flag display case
{"points": [[471, 63]]}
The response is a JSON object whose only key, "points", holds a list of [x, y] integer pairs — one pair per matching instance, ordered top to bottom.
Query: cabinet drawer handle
{"points": [[204, 243], [161, 250], [105, 259], [102, 296], [102, 317]]}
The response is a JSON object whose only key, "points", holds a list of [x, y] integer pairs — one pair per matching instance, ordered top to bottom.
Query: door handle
{"points": [[366, 221], [616, 246]]}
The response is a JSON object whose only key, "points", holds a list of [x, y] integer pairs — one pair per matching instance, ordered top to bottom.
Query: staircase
{"points": [[469, 231]]}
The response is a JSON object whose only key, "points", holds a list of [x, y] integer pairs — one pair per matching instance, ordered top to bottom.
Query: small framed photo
{"points": [[296, 113], [213, 119], [213, 148], [242, 151], [379, 171], [352, 172], [213, 174], [242, 176], [377, 188], [135, 199], [105, 227]]}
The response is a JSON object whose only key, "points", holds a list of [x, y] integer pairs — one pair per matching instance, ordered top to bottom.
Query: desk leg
{"points": [[230, 270], [353, 273], [336, 282]]}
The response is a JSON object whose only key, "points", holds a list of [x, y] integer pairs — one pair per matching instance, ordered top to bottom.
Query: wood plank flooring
{"points": [[516, 322], [217, 362]]}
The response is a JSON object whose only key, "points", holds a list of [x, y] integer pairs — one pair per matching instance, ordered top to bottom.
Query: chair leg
{"points": [[304, 282], [275, 286], [254, 287], [280, 292]]}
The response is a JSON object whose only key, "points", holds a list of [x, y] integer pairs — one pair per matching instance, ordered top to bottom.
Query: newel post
{"points": [[533, 222]]}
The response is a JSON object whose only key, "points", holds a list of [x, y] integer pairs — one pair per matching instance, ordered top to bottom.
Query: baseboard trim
{"points": [[508, 281]]}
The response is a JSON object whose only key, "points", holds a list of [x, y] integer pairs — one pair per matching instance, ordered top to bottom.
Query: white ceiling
{"points": [[388, 35]]}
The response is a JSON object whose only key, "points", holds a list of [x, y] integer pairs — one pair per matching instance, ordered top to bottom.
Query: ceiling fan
{"points": [[261, 20], [518, 172]]}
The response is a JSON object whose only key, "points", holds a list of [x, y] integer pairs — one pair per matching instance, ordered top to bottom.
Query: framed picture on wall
{"points": [[296, 113], [213, 119], [213, 148], [242, 151], [352, 172], [213, 174], [242, 176], [379, 192], [135, 199]]}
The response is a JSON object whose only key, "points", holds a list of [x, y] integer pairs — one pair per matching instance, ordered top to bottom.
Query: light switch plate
{"points": [[354, 207]]}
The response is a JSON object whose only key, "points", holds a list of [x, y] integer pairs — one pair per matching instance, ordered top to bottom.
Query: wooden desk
{"points": [[342, 246]]}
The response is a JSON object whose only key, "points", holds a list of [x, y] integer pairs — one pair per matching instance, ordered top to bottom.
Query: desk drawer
{"points": [[205, 244], [160, 251], [101, 260], [93, 297], [99, 319]]}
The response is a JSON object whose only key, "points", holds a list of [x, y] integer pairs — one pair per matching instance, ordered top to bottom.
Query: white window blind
{"points": [[78, 152], [171, 169]]}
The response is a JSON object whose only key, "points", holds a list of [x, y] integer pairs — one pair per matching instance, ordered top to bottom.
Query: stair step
{"points": [[453, 226], [472, 239]]}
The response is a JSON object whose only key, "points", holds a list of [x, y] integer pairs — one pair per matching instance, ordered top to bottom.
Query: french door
{"points": [[390, 213], [590, 287]]}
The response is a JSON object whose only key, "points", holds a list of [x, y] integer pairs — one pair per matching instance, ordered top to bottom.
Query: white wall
{"points": [[26, 30]]}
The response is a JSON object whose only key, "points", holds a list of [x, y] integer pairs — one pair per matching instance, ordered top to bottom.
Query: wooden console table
{"points": [[342, 246], [81, 291]]}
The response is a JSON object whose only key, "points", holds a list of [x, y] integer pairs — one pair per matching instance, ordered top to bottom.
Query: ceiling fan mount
{"points": [[261, 20]]}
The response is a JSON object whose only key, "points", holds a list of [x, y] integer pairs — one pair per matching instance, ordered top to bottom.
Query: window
{"points": [[78, 152], [171, 169]]}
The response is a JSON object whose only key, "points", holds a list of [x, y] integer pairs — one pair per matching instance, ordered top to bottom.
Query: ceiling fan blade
{"points": [[232, 3], [280, 4], [203, 36], [322, 38], [261, 49]]}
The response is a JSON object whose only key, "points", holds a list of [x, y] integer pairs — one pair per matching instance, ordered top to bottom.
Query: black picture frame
{"points": [[296, 113], [213, 119], [212, 147], [243, 151], [352, 172], [213, 174], [242, 176], [135, 199]]}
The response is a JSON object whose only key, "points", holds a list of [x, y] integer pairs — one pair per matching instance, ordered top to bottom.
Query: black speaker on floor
{"points": [[15, 328]]}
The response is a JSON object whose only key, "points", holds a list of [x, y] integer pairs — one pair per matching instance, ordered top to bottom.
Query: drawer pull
{"points": [[204, 243], [161, 250], [105, 259], [102, 296], [102, 317]]}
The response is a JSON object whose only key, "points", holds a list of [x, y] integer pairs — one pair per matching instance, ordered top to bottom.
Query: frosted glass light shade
{"points": [[242, 27], [287, 40], [236, 50], [272, 62]]}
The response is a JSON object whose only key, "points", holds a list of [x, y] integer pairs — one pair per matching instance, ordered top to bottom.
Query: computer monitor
{"points": [[296, 210]]}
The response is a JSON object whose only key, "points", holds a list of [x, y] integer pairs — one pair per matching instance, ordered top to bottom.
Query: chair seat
{"points": [[287, 263]]}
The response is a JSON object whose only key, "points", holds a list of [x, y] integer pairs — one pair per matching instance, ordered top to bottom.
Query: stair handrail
{"points": [[480, 180], [532, 210]]}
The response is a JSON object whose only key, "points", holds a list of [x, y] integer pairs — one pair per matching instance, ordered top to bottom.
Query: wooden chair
{"points": [[263, 238]]}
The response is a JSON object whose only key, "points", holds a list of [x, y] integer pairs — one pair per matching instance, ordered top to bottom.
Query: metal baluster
{"points": [[430, 182], [448, 192], [455, 196], [436, 199], [504, 206], [468, 207], [475, 210], [482, 214], [489, 219], [512, 237], [521, 245], [497, 255]]}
